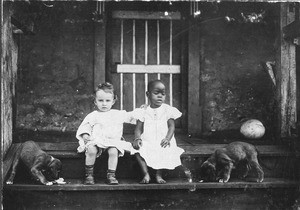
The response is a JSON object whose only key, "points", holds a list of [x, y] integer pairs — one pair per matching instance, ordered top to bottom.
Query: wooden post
{"points": [[100, 51], [286, 74], [194, 106], [1, 117]]}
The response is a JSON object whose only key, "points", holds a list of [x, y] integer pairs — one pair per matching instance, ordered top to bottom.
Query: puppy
{"points": [[240, 155], [37, 161]]}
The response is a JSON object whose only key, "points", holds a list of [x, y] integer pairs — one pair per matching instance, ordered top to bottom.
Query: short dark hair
{"points": [[152, 83]]}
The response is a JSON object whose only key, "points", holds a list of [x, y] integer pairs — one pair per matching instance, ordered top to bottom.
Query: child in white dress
{"points": [[102, 130], [154, 135]]}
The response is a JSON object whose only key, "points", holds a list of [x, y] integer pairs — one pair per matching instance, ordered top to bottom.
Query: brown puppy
{"points": [[37, 161], [219, 165]]}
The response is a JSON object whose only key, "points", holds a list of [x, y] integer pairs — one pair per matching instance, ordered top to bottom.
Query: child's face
{"points": [[157, 95], [104, 101]]}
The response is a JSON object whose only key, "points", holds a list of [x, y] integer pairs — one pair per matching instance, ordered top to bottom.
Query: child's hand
{"points": [[144, 106], [86, 138], [165, 142], [137, 143]]}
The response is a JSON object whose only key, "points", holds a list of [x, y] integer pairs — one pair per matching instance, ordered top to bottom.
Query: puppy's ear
{"points": [[208, 164]]}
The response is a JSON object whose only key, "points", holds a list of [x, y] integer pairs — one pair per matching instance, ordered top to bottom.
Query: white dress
{"points": [[106, 129], [155, 129]]}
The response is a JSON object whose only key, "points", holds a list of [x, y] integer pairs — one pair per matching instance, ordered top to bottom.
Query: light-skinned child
{"points": [[102, 130], [154, 144]]}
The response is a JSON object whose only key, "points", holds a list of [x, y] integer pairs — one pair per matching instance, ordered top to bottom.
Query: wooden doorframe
{"points": [[100, 50], [190, 70], [194, 84]]}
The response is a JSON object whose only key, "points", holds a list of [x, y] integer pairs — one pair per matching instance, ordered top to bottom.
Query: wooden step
{"points": [[69, 149], [280, 162], [172, 184], [278, 190], [176, 194]]}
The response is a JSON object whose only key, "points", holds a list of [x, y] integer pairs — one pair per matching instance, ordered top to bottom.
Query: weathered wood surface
{"points": [[146, 15], [100, 50], [194, 68], [150, 69], [286, 74], [1, 106], [196, 150], [174, 184], [152, 199]]}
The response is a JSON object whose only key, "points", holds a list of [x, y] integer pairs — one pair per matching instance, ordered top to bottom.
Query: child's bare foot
{"points": [[146, 179], [159, 179]]}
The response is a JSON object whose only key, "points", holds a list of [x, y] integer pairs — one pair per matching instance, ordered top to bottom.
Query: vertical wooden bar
{"points": [[99, 4], [122, 39], [158, 47], [99, 51], [171, 54], [146, 57], [121, 60], [133, 62], [286, 75], [183, 98], [1, 106], [194, 107]]}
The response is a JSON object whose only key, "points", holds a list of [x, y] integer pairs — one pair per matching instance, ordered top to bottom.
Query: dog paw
{"points": [[201, 180], [221, 180], [259, 180], [60, 181], [9, 182], [49, 183]]}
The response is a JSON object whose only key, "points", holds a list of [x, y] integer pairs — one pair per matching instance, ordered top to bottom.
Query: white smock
{"points": [[106, 130], [155, 130]]}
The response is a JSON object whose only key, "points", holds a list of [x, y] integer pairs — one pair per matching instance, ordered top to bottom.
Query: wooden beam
{"points": [[146, 15], [100, 51], [150, 69], [286, 75], [194, 106], [1, 117]]}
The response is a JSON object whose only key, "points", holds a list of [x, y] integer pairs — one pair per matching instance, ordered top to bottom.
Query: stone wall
{"points": [[56, 68], [56, 75], [235, 85]]}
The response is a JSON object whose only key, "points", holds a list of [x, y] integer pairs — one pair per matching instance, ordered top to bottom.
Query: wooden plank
{"points": [[146, 15], [140, 41], [127, 42], [164, 42], [100, 51], [194, 68], [151, 69], [286, 75], [182, 92], [1, 106], [70, 148], [264, 150], [174, 184]]}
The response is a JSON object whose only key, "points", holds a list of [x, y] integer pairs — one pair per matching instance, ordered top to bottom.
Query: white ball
{"points": [[253, 129]]}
